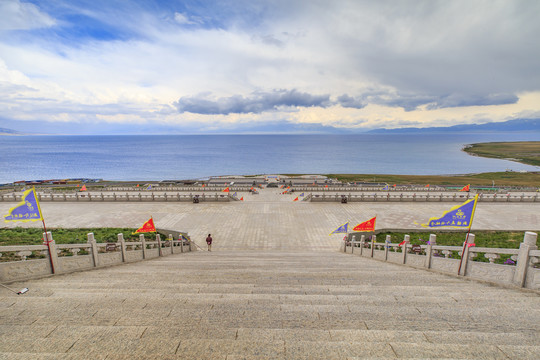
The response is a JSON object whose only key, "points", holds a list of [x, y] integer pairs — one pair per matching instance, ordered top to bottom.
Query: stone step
{"points": [[260, 305]]}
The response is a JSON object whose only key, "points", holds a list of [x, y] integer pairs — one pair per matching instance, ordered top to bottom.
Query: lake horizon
{"points": [[199, 156]]}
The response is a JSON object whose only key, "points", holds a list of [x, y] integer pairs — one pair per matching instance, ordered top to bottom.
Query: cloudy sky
{"points": [[142, 66]]}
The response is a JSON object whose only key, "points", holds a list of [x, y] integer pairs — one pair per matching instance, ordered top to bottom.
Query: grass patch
{"points": [[526, 152], [528, 179], [33, 236], [490, 239]]}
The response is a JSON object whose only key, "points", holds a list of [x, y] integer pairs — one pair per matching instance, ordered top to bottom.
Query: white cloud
{"points": [[17, 15], [387, 62]]}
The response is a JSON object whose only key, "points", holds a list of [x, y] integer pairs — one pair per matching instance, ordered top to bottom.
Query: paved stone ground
{"points": [[270, 221], [266, 305]]}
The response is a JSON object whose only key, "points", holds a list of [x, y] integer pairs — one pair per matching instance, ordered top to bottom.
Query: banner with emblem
{"points": [[27, 210], [460, 216], [368, 225], [146, 228], [342, 229]]}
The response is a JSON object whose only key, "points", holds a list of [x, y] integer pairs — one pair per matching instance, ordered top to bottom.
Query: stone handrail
{"points": [[113, 196], [423, 197], [35, 261], [519, 269]]}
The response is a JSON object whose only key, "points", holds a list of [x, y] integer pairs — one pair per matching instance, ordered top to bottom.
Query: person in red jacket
{"points": [[209, 242]]}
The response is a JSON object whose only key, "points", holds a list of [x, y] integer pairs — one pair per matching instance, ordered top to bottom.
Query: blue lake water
{"points": [[163, 157]]}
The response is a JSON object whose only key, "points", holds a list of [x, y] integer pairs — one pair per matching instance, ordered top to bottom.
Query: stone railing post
{"points": [[373, 237], [158, 239], [353, 239], [406, 241], [362, 242], [529, 243], [143, 244], [172, 244], [122, 246], [387, 246], [94, 249], [429, 250], [465, 255], [53, 256]]}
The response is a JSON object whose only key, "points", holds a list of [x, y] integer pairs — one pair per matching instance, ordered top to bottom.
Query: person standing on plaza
{"points": [[209, 242]]}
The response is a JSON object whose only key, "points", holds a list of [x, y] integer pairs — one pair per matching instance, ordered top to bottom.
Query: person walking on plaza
{"points": [[209, 242]]}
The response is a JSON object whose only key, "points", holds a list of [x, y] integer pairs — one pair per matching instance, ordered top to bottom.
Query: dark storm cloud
{"points": [[257, 102]]}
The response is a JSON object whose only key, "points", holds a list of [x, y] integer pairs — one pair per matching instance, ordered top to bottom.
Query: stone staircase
{"points": [[266, 305]]}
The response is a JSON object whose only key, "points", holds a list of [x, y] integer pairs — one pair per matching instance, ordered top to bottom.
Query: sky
{"points": [[253, 66]]}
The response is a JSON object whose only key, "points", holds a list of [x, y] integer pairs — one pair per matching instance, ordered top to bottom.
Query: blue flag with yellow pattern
{"points": [[27, 210], [460, 216], [341, 229]]}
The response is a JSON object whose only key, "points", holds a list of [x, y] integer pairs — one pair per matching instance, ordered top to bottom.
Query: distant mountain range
{"points": [[506, 126], [283, 127], [4, 131]]}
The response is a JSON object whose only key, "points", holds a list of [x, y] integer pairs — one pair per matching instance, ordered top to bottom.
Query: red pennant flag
{"points": [[78, 185], [137, 185], [203, 185], [395, 185], [427, 185], [83, 188], [466, 188], [226, 189], [242, 198], [296, 199], [366, 225], [147, 227], [401, 243]]}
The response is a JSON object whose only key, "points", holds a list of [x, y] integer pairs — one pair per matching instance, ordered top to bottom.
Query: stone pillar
{"points": [[373, 238], [158, 239], [353, 239], [406, 241], [362, 242], [143, 244], [172, 244], [122, 246], [387, 246], [93, 248], [429, 250], [465, 255], [53, 256], [522, 265]]}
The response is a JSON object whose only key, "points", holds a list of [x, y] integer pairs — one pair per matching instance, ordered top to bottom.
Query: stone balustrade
{"points": [[114, 196], [423, 197], [35, 261], [518, 267]]}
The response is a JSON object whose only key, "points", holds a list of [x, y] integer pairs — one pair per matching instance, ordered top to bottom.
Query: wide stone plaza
{"points": [[274, 287]]}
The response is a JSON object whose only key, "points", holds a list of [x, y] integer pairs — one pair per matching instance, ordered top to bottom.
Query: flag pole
{"points": [[44, 229], [467, 237]]}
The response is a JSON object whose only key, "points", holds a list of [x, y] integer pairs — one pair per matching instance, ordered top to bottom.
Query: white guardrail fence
{"points": [[519, 269]]}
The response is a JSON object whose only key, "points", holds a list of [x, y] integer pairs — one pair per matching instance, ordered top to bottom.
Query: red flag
{"points": [[137, 185], [203, 185], [395, 185], [427, 185], [83, 188], [466, 188], [226, 189], [242, 198], [296, 199], [366, 225], [147, 227], [401, 243]]}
